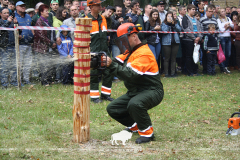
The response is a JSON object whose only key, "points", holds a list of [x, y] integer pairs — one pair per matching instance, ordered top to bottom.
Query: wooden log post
{"points": [[16, 35], [81, 107]]}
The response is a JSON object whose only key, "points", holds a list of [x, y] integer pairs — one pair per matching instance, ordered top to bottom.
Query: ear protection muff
{"points": [[137, 28]]}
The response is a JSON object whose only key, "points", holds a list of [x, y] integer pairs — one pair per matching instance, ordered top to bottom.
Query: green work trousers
{"points": [[130, 109]]}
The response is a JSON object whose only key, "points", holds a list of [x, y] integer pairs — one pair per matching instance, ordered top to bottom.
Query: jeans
{"points": [[226, 47], [155, 49], [115, 52], [170, 54], [26, 61], [211, 62], [9, 67], [191, 67]]}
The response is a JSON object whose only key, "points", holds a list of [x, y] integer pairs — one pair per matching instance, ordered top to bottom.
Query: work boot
{"points": [[107, 98], [96, 100], [144, 139]]}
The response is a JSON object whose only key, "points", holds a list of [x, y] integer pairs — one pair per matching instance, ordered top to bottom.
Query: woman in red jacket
{"points": [[237, 42], [44, 43]]}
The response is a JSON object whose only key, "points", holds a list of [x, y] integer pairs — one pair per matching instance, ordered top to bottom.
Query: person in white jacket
{"points": [[224, 24]]}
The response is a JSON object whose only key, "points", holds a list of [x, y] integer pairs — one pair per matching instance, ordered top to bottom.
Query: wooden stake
{"points": [[16, 34], [81, 107]]}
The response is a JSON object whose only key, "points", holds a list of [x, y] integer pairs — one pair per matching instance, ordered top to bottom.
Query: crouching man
{"points": [[138, 68]]}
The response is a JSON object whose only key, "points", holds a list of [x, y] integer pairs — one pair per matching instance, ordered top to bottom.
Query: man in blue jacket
{"points": [[26, 40], [7, 50], [65, 50]]}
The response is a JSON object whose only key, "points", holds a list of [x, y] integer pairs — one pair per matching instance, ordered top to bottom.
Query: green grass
{"points": [[190, 123]]}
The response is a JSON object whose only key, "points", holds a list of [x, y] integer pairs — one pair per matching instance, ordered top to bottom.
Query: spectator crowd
{"points": [[46, 54]]}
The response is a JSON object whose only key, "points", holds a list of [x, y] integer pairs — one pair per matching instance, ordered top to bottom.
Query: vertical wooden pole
{"points": [[16, 34], [81, 107]]}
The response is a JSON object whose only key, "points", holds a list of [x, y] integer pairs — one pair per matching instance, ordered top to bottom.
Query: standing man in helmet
{"points": [[99, 43], [138, 68]]}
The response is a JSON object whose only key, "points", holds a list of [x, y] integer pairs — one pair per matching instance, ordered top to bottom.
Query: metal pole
{"points": [[16, 34]]}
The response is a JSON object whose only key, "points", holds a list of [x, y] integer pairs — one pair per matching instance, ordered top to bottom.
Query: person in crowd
{"points": [[4, 3], [76, 3], [127, 4], [67, 5], [11, 6], [54, 7], [154, 7], [200, 8], [233, 8], [148, 9], [109, 10], [238, 10], [215, 11], [30, 12], [85, 12], [162, 12], [182, 12], [228, 12], [37, 15], [61, 15], [198, 15], [136, 16], [117, 20], [205, 21], [70, 22], [190, 24], [224, 24], [153, 39], [26, 40], [237, 42], [44, 43], [99, 43], [170, 43], [211, 46], [7, 50], [65, 50], [232, 59], [139, 71]]}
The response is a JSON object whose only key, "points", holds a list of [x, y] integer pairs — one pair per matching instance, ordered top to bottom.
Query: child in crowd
{"points": [[198, 15], [211, 45], [65, 50]]}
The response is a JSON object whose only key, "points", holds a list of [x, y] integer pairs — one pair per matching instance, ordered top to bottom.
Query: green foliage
{"points": [[190, 123]]}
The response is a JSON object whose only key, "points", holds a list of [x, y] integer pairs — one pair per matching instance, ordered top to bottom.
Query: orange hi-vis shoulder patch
{"points": [[95, 25], [121, 58], [143, 61]]}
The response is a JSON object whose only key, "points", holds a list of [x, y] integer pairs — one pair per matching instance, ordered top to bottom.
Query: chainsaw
{"points": [[234, 125]]}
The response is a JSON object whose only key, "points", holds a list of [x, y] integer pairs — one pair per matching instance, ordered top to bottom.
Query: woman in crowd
{"points": [[61, 15], [224, 24], [153, 39], [237, 42], [44, 43], [170, 43], [232, 59]]}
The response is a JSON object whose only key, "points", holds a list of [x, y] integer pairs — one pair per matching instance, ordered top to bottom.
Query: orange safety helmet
{"points": [[94, 2], [128, 28]]}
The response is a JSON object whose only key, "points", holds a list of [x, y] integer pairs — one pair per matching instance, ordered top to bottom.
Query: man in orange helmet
{"points": [[99, 43], [138, 68]]}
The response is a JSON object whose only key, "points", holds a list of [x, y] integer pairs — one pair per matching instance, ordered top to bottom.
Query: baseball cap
{"points": [[54, 1], [19, 3], [161, 3], [38, 5], [111, 7], [29, 10]]}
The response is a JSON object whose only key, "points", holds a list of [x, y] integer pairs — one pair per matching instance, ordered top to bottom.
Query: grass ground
{"points": [[190, 123]]}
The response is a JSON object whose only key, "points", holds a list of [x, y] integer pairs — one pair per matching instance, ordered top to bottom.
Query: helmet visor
{"points": [[123, 43]]}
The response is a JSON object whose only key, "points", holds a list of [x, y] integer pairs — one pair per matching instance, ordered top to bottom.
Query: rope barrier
{"points": [[109, 30]]}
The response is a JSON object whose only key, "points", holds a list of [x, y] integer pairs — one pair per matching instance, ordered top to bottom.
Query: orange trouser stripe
{"points": [[106, 90], [94, 93], [135, 128], [147, 132]]}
